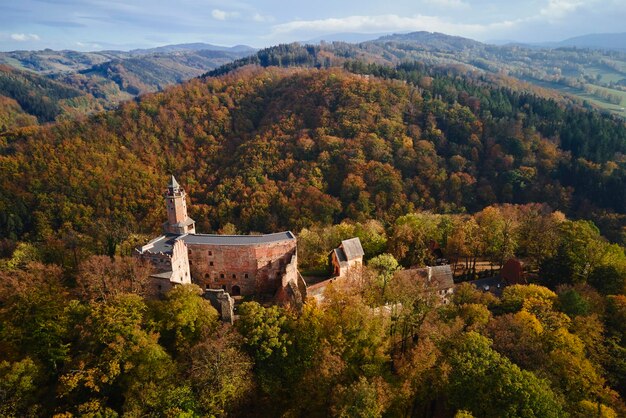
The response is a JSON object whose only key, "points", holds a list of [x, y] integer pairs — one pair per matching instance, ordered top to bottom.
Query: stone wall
{"points": [[160, 262], [241, 269]]}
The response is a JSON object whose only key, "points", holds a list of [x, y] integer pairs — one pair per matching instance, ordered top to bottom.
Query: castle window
{"points": [[189, 251], [210, 252], [190, 262], [210, 263], [245, 275], [206, 276], [222, 276], [234, 276]]}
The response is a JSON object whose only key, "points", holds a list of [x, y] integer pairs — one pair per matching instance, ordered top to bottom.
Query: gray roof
{"points": [[173, 183], [186, 222], [237, 239], [165, 243], [162, 244], [352, 248], [341, 256], [164, 275], [442, 276], [494, 285]]}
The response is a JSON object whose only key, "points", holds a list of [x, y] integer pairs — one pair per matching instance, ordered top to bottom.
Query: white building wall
{"points": [[180, 264]]}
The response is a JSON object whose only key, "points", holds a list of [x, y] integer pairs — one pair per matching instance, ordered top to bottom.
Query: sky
{"points": [[87, 25]]}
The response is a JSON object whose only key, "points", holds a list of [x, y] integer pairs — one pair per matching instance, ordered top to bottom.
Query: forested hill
{"points": [[49, 61], [594, 77], [44, 85], [28, 99], [267, 149]]}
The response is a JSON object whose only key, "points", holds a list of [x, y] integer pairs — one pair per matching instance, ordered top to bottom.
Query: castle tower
{"points": [[178, 222]]}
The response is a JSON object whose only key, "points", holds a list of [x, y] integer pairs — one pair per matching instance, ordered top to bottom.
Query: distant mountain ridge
{"points": [[351, 37], [432, 40], [604, 41], [615, 41], [197, 46], [50, 61], [595, 77], [96, 80]]}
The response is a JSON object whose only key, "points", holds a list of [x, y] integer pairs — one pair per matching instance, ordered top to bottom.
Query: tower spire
{"points": [[173, 185]]}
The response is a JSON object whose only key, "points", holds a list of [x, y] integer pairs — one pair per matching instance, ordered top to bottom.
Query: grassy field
{"points": [[607, 75], [618, 109]]}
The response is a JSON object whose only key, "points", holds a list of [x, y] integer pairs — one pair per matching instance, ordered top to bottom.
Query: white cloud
{"points": [[450, 4], [560, 8], [223, 15], [257, 17], [389, 23], [23, 37]]}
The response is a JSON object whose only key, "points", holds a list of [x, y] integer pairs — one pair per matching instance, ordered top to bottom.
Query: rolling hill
{"points": [[48, 61], [148, 73], [595, 78], [40, 86], [30, 98], [266, 149]]}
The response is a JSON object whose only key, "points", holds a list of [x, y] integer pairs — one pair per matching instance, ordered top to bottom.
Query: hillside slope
{"points": [[49, 61], [152, 72], [595, 78], [47, 84], [30, 98], [275, 148]]}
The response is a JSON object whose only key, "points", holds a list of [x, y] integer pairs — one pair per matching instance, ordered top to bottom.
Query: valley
{"points": [[96, 80]]}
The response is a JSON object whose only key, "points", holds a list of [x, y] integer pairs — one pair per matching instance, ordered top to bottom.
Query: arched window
{"points": [[236, 290]]}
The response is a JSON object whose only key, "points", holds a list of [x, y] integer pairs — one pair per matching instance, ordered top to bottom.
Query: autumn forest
{"points": [[329, 147]]}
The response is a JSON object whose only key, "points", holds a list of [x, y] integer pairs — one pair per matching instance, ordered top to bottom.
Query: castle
{"points": [[263, 266]]}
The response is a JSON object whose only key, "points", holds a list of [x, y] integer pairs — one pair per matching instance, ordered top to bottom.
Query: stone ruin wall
{"points": [[293, 289]]}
